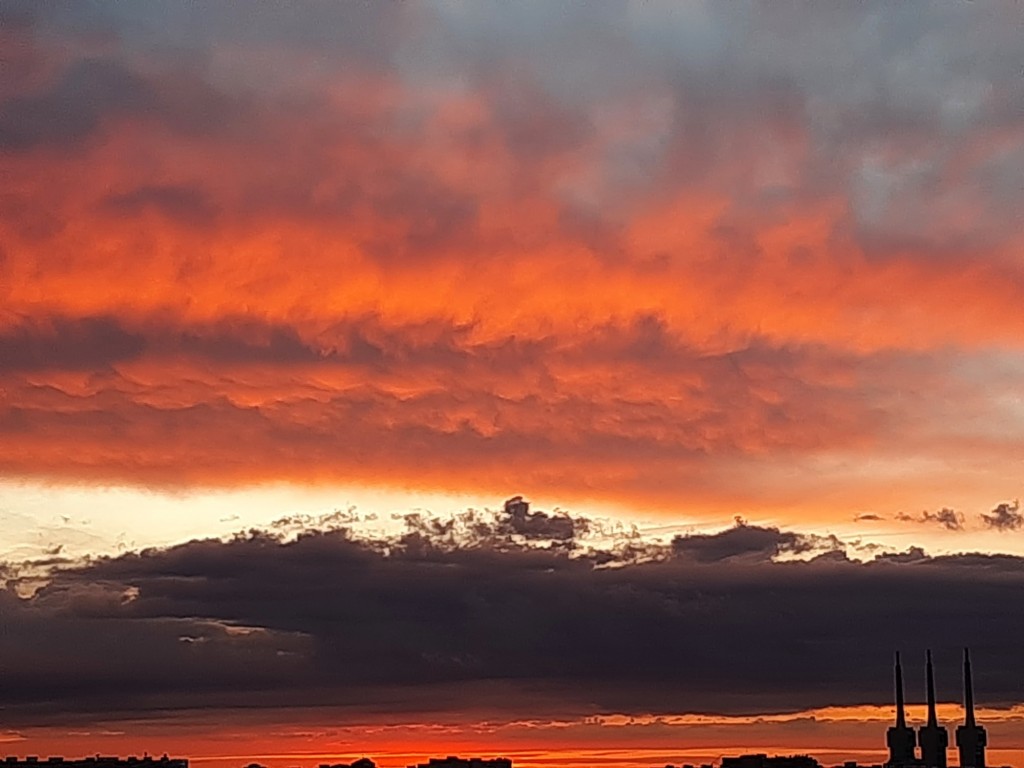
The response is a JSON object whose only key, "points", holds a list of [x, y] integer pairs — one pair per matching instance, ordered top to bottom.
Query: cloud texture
{"points": [[700, 257], [496, 615]]}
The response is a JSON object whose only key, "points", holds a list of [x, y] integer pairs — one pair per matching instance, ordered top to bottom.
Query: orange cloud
{"points": [[664, 297]]}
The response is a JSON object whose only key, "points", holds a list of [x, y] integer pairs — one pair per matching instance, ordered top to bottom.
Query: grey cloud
{"points": [[18, 15], [547, 79], [93, 90], [73, 108], [184, 203], [65, 343], [75, 343], [868, 517], [1005, 517], [948, 518], [520, 521], [513, 527], [747, 542], [326, 619]]}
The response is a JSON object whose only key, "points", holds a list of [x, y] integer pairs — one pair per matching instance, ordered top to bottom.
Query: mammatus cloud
{"points": [[565, 252], [513, 619]]}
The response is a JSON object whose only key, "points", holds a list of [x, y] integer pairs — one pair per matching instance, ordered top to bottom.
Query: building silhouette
{"points": [[932, 737], [971, 738], [901, 740], [99, 761], [763, 761], [458, 762]]}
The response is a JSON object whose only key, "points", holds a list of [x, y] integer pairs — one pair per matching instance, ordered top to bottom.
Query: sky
{"points": [[294, 296]]}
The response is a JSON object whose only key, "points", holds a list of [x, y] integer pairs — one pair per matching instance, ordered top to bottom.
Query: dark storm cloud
{"points": [[325, 619]]}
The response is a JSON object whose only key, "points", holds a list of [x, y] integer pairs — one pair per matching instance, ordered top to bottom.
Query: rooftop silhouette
{"points": [[97, 761], [763, 761], [458, 762]]}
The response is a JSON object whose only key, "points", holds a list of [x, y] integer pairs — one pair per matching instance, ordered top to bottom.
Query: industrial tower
{"points": [[899, 737], [932, 737], [970, 737]]}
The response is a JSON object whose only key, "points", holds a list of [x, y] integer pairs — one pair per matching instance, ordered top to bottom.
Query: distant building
{"points": [[99, 761], [763, 761], [458, 762]]}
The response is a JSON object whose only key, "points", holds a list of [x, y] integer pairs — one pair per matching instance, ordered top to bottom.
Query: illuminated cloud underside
{"points": [[694, 279]]}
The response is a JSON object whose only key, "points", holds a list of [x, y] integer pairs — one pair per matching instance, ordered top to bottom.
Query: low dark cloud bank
{"points": [[508, 603]]}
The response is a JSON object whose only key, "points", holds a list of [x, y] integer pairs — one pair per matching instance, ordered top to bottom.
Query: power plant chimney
{"points": [[899, 738], [933, 738], [971, 738]]}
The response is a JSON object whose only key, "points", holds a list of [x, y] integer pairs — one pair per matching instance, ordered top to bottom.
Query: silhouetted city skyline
{"points": [[901, 741]]}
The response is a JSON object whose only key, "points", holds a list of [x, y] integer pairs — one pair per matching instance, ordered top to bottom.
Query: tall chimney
{"points": [[968, 690], [901, 720], [932, 720], [899, 738], [933, 738], [971, 738]]}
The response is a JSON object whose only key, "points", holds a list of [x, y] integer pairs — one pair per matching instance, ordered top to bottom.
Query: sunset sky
{"points": [[293, 297]]}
